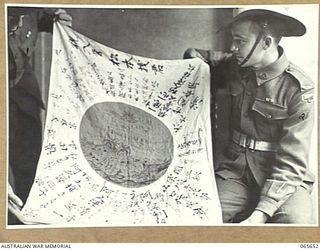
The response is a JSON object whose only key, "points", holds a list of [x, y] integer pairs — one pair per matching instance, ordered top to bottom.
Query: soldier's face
{"points": [[244, 35]]}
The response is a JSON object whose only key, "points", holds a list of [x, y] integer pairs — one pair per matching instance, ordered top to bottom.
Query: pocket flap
{"points": [[270, 110]]}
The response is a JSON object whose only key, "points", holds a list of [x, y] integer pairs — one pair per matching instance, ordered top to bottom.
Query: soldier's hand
{"points": [[61, 16], [193, 53], [213, 58], [14, 204], [257, 217]]}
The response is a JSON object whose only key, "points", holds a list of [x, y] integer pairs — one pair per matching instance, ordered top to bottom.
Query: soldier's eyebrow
{"points": [[239, 36]]}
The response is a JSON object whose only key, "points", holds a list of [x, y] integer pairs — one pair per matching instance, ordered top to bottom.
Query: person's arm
{"points": [[213, 58], [218, 61], [291, 160]]}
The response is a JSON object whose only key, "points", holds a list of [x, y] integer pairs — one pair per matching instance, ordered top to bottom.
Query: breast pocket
{"points": [[269, 118]]}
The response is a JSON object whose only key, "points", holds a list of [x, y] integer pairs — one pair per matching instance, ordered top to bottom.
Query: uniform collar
{"points": [[273, 70]]}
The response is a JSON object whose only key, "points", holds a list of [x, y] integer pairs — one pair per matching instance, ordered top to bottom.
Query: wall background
{"points": [[158, 33]]}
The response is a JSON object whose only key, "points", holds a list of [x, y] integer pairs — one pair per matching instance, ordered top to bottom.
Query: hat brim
{"points": [[286, 25]]}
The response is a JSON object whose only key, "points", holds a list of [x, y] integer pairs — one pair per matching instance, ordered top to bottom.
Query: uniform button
{"points": [[28, 34], [263, 76], [249, 93], [268, 99], [245, 114], [269, 116]]}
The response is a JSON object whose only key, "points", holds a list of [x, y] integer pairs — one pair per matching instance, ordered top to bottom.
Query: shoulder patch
{"points": [[303, 79]]}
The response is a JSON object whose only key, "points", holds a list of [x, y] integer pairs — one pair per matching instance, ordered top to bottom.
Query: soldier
{"points": [[25, 103], [263, 176]]}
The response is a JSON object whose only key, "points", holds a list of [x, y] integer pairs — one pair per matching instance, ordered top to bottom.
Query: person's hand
{"points": [[61, 16], [14, 23], [193, 53], [213, 58], [14, 204], [257, 217]]}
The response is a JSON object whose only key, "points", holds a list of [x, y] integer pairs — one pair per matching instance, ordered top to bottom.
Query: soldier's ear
{"points": [[268, 40]]}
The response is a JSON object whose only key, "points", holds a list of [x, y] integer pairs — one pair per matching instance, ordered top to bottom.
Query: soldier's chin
{"points": [[239, 62]]}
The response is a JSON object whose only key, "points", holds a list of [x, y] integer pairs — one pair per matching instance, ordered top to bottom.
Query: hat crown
{"points": [[279, 10], [285, 24]]}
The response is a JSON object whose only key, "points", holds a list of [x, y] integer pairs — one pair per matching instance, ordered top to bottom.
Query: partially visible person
{"points": [[25, 103], [264, 176]]}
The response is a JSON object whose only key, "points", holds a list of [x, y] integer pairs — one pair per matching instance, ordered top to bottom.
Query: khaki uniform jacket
{"points": [[274, 104]]}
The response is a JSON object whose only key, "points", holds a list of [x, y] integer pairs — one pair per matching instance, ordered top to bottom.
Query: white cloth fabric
{"points": [[127, 140]]}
